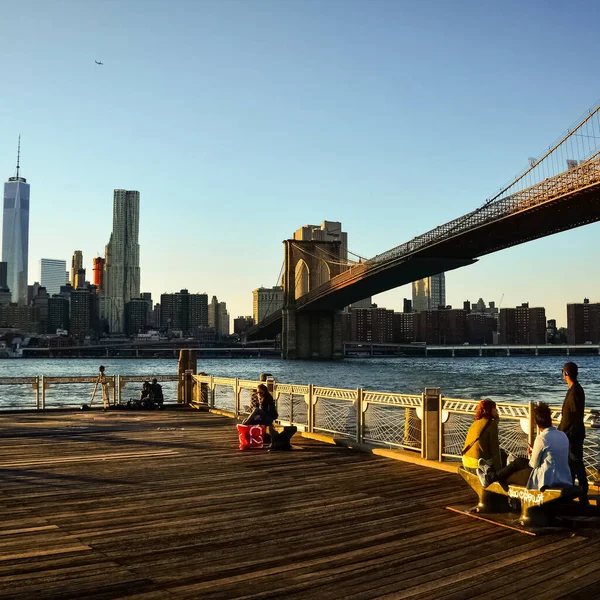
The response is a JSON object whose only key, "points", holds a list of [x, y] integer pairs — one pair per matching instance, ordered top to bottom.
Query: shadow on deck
{"points": [[153, 505]]}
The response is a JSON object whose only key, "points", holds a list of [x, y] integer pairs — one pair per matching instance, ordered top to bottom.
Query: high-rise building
{"points": [[15, 233], [76, 265], [122, 267], [98, 273], [52, 274], [80, 279], [429, 293], [266, 301], [40, 302], [184, 312], [81, 313], [58, 314], [136, 316], [218, 317], [583, 322], [241, 325], [374, 325], [523, 325], [446, 326], [404, 332]]}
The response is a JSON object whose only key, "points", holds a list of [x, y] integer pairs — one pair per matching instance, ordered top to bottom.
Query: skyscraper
{"points": [[15, 233], [122, 259], [76, 264], [98, 273], [52, 274], [429, 293]]}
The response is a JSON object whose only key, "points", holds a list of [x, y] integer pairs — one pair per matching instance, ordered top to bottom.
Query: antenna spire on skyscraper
{"points": [[18, 156]]}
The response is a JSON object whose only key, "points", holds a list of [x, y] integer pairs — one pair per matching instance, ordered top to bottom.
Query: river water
{"points": [[508, 379]]}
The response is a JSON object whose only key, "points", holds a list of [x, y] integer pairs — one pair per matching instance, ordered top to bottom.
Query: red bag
{"points": [[251, 436]]}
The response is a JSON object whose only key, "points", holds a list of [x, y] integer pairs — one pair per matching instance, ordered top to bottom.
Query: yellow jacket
{"points": [[486, 447]]}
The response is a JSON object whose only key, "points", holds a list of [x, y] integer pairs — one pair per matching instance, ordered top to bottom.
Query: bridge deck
{"points": [[162, 505]]}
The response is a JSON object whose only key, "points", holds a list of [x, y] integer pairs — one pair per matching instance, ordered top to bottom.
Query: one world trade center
{"points": [[15, 233]]}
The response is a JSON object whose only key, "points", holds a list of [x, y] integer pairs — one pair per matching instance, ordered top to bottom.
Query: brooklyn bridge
{"points": [[558, 191]]}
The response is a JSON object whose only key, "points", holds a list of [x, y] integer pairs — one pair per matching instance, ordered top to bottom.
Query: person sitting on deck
{"points": [[157, 393], [146, 395], [264, 410], [482, 439], [549, 463]]}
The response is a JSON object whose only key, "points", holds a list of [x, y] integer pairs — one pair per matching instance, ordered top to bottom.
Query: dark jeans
{"points": [[258, 417], [577, 466], [516, 472]]}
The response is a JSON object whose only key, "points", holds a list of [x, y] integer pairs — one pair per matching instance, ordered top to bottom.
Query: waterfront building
{"points": [[15, 233], [76, 264], [122, 268], [98, 273], [52, 274], [429, 293], [147, 297], [266, 301], [40, 302], [407, 305], [184, 312], [81, 313], [58, 314], [156, 315], [136, 316], [21, 317], [218, 317], [583, 322], [241, 325], [375, 325], [523, 325], [446, 326], [403, 327], [481, 328]]}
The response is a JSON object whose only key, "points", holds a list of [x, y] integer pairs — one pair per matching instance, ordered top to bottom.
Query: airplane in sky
{"points": [[98, 63]]}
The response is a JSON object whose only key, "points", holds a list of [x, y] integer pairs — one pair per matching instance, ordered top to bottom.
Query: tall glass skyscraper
{"points": [[15, 233], [122, 259], [52, 274], [429, 293]]}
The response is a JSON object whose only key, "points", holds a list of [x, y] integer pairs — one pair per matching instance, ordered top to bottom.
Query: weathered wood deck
{"points": [[153, 505]]}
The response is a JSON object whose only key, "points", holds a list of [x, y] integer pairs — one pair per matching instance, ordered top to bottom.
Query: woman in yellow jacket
{"points": [[482, 438]]}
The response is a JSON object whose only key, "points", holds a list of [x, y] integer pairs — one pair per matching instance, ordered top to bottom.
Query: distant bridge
{"points": [[544, 200]]}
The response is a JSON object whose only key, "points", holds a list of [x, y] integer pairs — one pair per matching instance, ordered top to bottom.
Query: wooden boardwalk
{"points": [[162, 505]]}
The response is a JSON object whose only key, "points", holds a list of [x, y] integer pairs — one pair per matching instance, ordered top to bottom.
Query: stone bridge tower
{"points": [[310, 334]]}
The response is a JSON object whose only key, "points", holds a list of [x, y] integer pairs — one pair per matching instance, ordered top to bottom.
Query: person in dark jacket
{"points": [[266, 411], [571, 423]]}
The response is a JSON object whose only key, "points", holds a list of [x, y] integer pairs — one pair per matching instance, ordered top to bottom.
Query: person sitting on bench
{"points": [[146, 395], [264, 409], [482, 439], [548, 466]]}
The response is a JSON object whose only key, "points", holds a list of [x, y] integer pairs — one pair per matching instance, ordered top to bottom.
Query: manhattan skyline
{"points": [[389, 117]]}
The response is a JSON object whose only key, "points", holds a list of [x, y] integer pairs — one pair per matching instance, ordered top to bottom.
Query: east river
{"points": [[508, 379]]}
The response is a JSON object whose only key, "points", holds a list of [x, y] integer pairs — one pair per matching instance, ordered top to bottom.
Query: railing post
{"points": [[36, 386], [119, 388], [212, 391], [43, 392], [236, 393], [311, 409], [432, 415], [360, 421], [531, 429]]}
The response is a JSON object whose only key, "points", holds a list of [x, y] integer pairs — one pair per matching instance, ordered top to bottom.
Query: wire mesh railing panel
{"points": [[18, 393], [225, 397], [245, 397], [393, 399], [284, 403], [300, 410], [335, 416], [389, 425], [512, 437], [591, 454]]}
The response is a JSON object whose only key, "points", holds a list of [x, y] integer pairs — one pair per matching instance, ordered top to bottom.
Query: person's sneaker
{"points": [[485, 473]]}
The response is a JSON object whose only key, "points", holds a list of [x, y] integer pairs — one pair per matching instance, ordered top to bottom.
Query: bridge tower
{"points": [[310, 334]]}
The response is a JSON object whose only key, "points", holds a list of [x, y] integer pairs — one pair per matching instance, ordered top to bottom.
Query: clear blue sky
{"points": [[241, 120]]}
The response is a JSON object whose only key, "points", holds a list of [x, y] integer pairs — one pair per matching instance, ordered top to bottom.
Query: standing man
{"points": [[571, 422]]}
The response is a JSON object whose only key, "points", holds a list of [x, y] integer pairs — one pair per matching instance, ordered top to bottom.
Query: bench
{"points": [[537, 506]]}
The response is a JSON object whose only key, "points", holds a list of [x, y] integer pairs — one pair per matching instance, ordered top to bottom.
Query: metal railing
{"points": [[41, 392], [378, 418]]}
